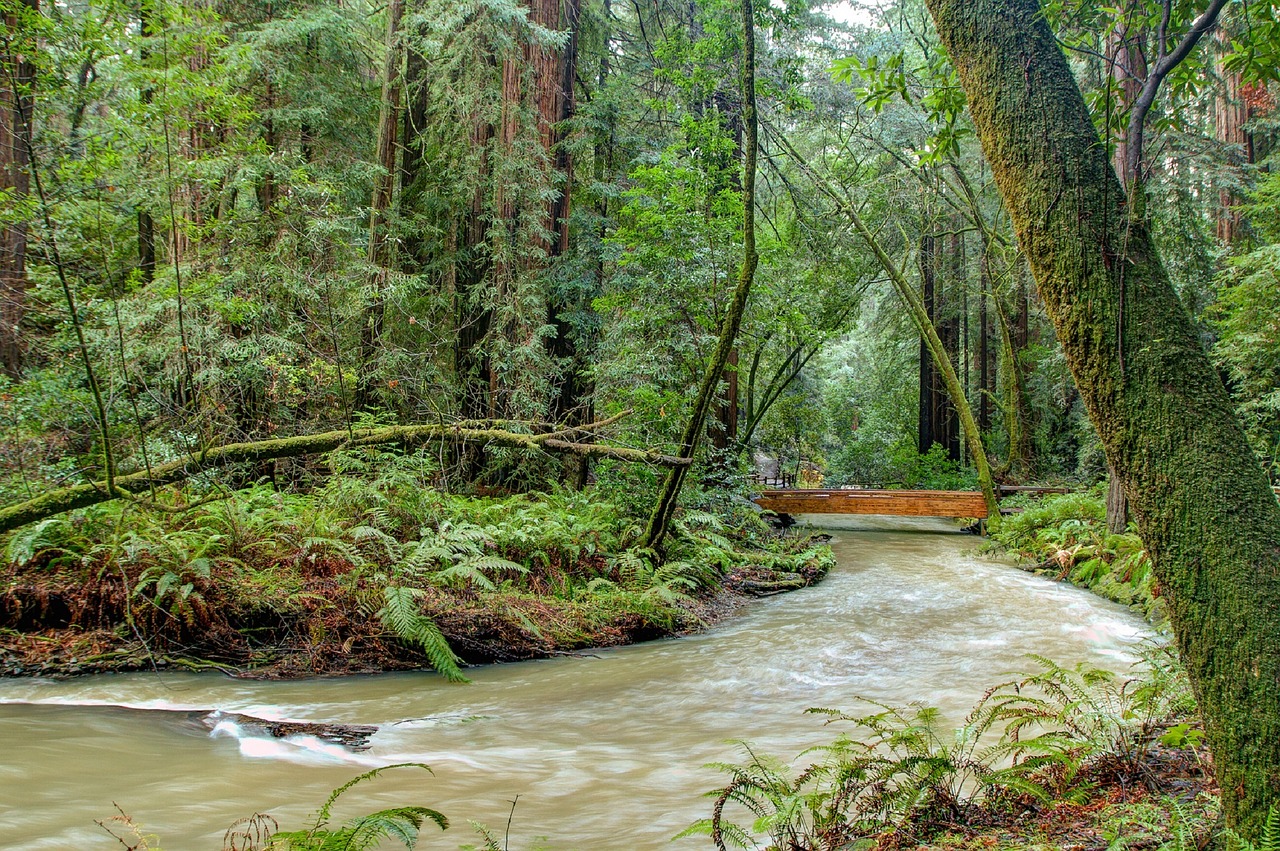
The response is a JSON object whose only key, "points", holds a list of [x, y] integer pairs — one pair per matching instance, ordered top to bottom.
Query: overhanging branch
{"points": [[92, 493]]}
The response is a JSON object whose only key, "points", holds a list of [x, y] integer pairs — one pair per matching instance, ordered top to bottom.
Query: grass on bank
{"points": [[373, 570]]}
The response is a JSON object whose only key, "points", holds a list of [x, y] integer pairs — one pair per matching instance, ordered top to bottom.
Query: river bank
{"points": [[1065, 537], [360, 579], [605, 749]]}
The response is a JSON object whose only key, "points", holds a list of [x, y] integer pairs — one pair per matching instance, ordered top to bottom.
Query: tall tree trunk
{"points": [[1127, 66], [17, 104], [556, 106], [1231, 114], [146, 224], [379, 255], [467, 272], [947, 321], [983, 352], [926, 429], [1020, 448], [1203, 506]]}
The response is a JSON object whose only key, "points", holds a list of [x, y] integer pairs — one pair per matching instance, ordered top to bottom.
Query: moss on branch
{"points": [[128, 485]]}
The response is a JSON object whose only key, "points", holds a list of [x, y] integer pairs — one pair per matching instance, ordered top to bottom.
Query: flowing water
{"points": [[604, 750]]}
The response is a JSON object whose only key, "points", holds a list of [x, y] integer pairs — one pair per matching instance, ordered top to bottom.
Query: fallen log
{"points": [[133, 485], [352, 736]]}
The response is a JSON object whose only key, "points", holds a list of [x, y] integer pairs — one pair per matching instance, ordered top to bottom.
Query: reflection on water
{"points": [[604, 750]]}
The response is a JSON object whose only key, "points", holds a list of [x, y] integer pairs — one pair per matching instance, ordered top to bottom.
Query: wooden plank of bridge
{"points": [[900, 503]]}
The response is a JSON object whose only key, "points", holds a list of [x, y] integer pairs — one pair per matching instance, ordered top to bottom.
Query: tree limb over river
{"points": [[571, 440]]}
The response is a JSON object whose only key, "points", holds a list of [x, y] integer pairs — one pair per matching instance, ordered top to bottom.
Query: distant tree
{"points": [[17, 103]]}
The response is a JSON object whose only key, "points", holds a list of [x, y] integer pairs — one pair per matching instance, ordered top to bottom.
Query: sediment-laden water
{"points": [[600, 751]]}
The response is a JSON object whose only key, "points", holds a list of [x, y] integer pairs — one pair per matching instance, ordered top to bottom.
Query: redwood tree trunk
{"points": [[1127, 67], [17, 84], [1231, 114], [379, 253], [925, 430], [1203, 506]]}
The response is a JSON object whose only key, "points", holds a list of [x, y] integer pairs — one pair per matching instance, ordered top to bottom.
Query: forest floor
{"points": [[279, 586], [330, 636], [1176, 808]]}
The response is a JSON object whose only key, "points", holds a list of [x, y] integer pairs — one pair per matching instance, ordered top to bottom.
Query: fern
{"points": [[53, 533], [471, 571], [402, 615], [366, 832], [1268, 841]]}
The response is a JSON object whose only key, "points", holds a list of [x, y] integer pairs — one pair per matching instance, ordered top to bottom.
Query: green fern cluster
{"points": [[1066, 536], [376, 540], [402, 614], [1043, 737], [1268, 841]]}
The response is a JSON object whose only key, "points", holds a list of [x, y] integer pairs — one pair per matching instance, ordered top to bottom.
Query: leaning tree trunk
{"points": [[1201, 502], [665, 508]]}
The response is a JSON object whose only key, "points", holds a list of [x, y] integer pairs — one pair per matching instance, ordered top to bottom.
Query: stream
{"points": [[603, 750]]}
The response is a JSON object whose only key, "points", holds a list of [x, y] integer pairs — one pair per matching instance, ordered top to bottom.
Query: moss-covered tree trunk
{"points": [[1201, 502], [665, 508]]}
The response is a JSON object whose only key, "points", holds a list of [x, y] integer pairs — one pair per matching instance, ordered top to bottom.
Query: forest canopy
{"points": [[235, 222]]}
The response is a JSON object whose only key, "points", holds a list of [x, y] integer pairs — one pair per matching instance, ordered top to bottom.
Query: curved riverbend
{"points": [[604, 750]]}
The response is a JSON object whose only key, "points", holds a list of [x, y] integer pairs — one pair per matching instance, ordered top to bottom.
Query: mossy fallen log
{"points": [[133, 485]]}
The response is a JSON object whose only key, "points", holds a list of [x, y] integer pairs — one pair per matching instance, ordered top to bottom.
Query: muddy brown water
{"points": [[602, 751]]}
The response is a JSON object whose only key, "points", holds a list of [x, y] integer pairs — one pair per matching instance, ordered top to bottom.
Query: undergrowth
{"points": [[1065, 536], [375, 569], [1057, 746]]}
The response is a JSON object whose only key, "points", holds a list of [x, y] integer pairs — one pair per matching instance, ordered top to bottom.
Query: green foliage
{"points": [[1247, 319], [1065, 536], [375, 549], [402, 615], [1107, 725], [1047, 736], [897, 770], [365, 832], [1268, 841]]}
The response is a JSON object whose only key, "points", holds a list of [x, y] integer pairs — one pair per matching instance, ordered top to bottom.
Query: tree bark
{"points": [[1127, 67], [556, 72], [17, 90], [1231, 114], [379, 254], [947, 320], [982, 352], [925, 424], [564, 441], [1203, 506], [665, 508]]}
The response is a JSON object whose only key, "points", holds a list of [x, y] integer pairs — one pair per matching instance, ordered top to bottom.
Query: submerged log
{"points": [[351, 736]]}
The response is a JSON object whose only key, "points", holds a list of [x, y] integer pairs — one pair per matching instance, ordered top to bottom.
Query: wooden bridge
{"points": [[900, 503]]}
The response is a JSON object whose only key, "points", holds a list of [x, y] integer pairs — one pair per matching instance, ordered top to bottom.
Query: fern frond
{"points": [[460, 575], [401, 614]]}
